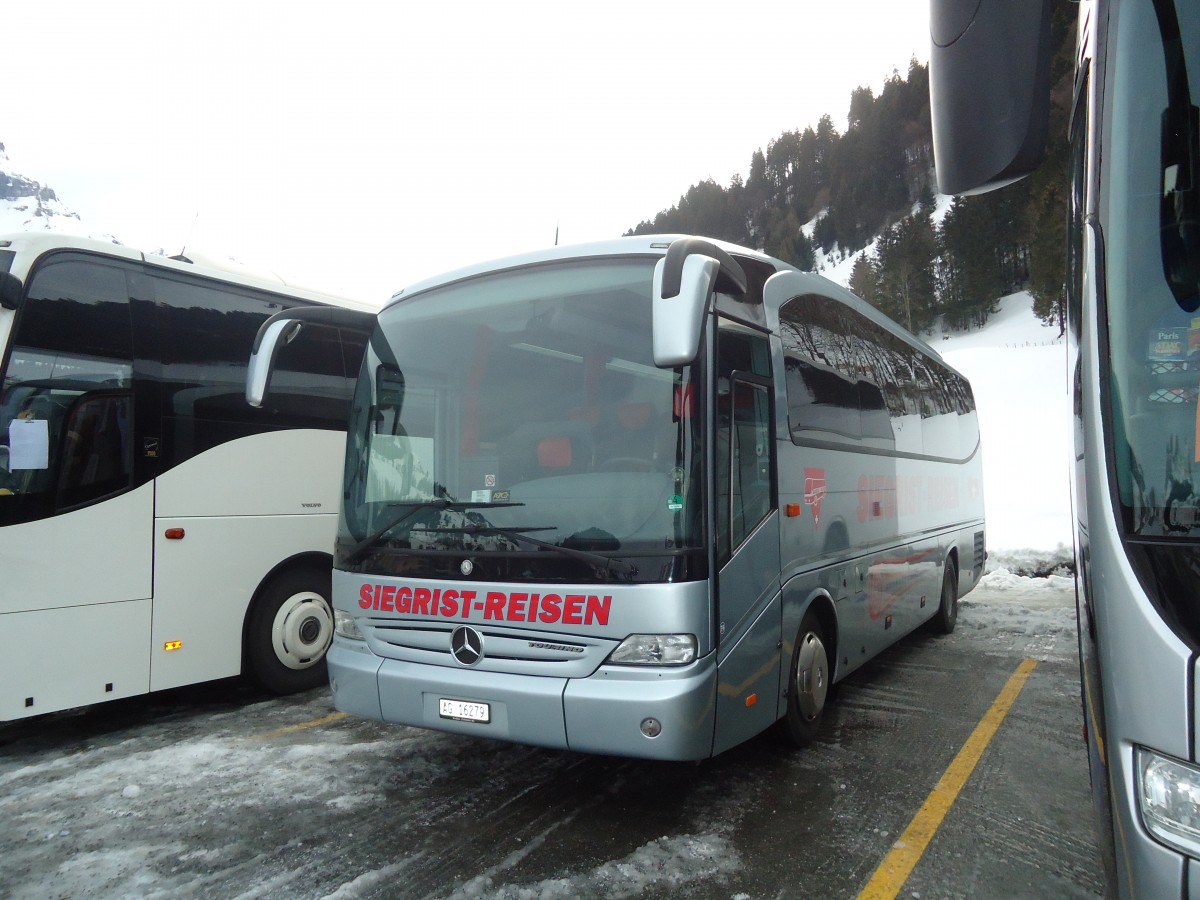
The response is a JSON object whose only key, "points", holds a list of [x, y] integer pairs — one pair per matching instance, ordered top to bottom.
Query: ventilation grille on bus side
{"points": [[980, 554]]}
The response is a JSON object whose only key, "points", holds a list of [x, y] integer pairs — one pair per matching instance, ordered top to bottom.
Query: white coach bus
{"points": [[647, 498], [154, 530]]}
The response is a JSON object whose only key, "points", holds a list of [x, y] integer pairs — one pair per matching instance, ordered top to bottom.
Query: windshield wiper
{"points": [[414, 507], [617, 566]]}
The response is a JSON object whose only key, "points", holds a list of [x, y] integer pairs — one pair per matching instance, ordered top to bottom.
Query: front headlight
{"points": [[343, 625], [655, 650], [1169, 797]]}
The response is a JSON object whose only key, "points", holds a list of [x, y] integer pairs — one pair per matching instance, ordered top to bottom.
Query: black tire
{"points": [[947, 615], [290, 629], [808, 684]]}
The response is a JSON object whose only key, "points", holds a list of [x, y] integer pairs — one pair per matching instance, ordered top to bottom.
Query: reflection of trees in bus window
{"points": [[848, 375], [820, 399]]}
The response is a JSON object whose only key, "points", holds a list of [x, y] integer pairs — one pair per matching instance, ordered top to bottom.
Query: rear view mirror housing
{"points": [[989, 91], [684, 281], [282, 328]]}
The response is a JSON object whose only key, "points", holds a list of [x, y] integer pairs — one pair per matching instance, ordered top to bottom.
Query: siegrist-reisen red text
{"points": [[499, 606]]}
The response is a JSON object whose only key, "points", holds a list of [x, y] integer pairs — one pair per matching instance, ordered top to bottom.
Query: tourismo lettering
{"points": [[494, 606]]}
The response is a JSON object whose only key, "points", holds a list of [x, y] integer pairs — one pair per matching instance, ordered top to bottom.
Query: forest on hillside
{"points": [[875, 181]]}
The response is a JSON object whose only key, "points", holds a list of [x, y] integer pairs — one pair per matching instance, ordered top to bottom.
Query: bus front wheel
{"points": [[290, 628], [808, 683]]}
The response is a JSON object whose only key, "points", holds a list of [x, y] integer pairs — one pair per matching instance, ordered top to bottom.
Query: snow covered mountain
{"points": [[29, 205]]}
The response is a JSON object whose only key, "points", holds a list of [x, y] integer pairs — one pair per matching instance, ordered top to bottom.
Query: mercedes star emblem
{"points": [[466, 645]]}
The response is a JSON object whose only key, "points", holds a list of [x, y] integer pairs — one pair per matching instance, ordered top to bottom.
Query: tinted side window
{"points": [[207, 331], [822, 369], [849, 377], [66, 404]]}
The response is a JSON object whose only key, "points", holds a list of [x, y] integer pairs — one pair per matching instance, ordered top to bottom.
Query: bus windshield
{"points": [[1154, 340], [515, 426]]}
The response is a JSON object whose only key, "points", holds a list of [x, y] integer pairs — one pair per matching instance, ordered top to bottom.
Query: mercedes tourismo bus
{"points": [[1133, 291], [644, 498], [154, 530]]}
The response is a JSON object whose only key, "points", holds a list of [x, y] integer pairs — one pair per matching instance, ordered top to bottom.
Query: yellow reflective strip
{"points": [[889, 878]]}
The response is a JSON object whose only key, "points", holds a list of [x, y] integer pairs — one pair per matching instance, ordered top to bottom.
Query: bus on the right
{"points": [[1133, 292]]}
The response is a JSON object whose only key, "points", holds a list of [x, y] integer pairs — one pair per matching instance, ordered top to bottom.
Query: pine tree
{"points": [[906, 258], [864, 279]]}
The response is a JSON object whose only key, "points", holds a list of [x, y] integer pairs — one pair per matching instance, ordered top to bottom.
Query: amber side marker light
{"points": [[173, 534], [173, 645]]}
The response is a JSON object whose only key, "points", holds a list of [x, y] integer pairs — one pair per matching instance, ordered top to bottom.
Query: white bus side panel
{"points": [[297, 471], [278, 495], [98, 554], [75, 607], [206, 614], [54, 659]]}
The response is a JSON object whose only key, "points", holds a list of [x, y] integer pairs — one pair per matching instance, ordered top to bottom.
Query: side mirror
{"points": [[989, 90], [1179, 208], [684, 280], [10, 290], [284, 326], [262, 357]]}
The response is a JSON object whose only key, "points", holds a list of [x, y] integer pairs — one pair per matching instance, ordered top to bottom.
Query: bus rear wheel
{"points": [[947, 615], [290, 628], [808, 684]]}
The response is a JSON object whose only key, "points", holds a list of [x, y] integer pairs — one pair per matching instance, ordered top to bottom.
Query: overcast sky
{"points": [[360, 146]]}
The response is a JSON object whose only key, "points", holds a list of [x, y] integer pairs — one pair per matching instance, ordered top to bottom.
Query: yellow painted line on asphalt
{"points": [[288, 729], [889, 878]]}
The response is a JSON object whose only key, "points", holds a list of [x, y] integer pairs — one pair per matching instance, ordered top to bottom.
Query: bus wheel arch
{"points": [[289, 625], [810, 674]]}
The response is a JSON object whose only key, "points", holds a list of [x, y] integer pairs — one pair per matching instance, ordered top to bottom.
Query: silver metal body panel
{"points": [[1138, 675], [603, 712]]}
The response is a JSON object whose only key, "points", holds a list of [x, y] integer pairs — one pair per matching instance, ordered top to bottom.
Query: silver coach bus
{"points": [[1133, 291], [648, 498]]}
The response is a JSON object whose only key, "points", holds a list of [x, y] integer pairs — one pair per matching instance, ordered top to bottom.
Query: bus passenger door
{"points": [[74, 518], [747, 534]]}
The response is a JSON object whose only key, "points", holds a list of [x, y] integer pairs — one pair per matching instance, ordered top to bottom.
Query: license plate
{"points": [[464, 711]]}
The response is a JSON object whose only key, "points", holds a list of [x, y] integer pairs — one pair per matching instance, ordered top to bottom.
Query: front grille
{"points": [[512, 650]]}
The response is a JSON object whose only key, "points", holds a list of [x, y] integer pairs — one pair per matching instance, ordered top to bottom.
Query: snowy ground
{"points": [[1017, 369], [223, 793]]}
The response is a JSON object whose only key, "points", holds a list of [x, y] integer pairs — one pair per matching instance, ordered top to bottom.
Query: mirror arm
{"points": [[681, 249], [267, 340]]}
